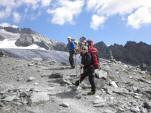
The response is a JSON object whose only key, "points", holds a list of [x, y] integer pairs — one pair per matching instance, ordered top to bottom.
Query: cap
{"points": [[69, 37]]}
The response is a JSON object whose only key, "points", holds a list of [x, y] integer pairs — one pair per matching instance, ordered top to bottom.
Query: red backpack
{"points": [[94, 53], [95, 57]]}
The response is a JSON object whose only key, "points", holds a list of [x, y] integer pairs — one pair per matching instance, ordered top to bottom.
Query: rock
{"points": [[24, 40], [1, 53], [37, 59], [52, 62], [30, 64], [64, 64], [125, 66], [143, 67], [39, 71], [142, 72], [100, 74], [56, 75], [130, 77], [19, 79], [30, 79], [36, 83], [100, 83], [113, 83], [121, 91], [37, 97], [78, 97], [10, 98], [99, 100], [64, 104], [1, 105], [147, 105], [135, 109], [143, 110], [108, 111]]}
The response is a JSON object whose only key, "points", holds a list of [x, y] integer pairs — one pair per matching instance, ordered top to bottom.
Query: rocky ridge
{"points": [[137, 54]]}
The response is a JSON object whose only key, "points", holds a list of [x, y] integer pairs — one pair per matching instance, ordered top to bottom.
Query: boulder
{"points": [[24, 40], [1, 53], [100, 74], [56, 75], [30, 79], [37, 97], [64, 104], [147, 105]]}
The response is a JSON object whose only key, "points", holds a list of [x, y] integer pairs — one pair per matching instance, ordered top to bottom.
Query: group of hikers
{"points": [[89, 59]]}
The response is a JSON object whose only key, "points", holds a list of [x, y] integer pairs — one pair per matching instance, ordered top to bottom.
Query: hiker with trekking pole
{"points": [[71, 47], [89, 62]]}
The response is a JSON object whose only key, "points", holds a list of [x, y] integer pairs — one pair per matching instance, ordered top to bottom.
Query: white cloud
{"points": [[46, 3], [10, 7], [66, 12], [5, 13], [137, 16], [17, 17], [141, 17], [97, 21], [5, 24]]}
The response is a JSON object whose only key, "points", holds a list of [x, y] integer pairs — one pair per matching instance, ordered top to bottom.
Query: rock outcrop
{"points": [[24, 40], [131, 53]]}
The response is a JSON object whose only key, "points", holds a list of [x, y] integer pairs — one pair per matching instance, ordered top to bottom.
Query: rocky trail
{"points": [[35, 86]]}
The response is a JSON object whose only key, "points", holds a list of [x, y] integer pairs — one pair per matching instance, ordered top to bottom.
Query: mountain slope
{"points": [[25, 38]]}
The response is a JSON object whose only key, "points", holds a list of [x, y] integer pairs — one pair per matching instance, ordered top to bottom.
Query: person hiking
{"points": [[82, 43], [71, 47], [88, 70]]}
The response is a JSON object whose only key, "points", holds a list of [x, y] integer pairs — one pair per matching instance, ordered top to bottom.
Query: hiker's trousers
{"points": [[71, 58], [90, 73]]}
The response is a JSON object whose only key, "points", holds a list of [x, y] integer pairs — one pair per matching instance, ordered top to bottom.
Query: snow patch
{"points": [[10, 43]]}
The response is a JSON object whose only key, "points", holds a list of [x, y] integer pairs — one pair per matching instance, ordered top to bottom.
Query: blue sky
{"points": [[111, 21]]}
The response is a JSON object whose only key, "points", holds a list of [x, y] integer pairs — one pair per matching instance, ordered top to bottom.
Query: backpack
{"points": [[77, 46], [95, 57]]}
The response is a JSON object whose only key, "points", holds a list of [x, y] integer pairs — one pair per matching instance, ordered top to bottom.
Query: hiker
{"points": [[82, 43], [71, 48], [88, 69]]}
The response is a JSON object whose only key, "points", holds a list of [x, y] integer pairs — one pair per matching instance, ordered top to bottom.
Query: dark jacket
{"points": [[86, 60]]}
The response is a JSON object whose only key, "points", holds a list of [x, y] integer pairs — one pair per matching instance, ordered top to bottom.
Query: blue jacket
{"points": [[71, 46]]}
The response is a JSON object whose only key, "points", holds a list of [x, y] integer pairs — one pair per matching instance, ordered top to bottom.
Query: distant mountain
{"points": [[25, 38], [131, 53]]}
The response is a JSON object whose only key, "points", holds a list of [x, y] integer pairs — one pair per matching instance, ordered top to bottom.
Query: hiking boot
{"points": [[72, 67], [76, 83], [91, 93]]}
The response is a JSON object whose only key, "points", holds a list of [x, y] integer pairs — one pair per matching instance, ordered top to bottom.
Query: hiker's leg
{"points": [[71, 58], [83, 75], [91, 80]]}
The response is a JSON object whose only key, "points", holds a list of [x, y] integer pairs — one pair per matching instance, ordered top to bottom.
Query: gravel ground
{"points": [[35, 86]]}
